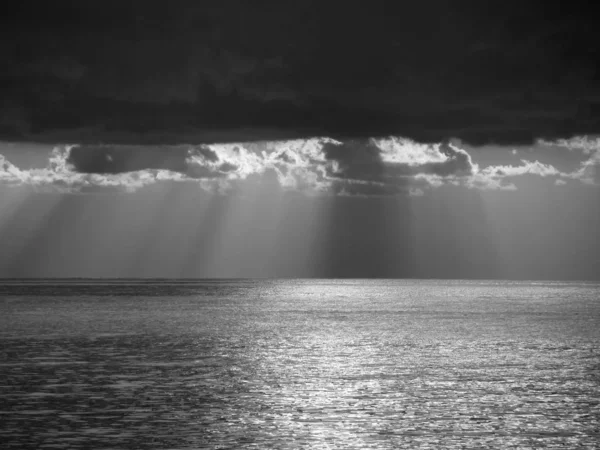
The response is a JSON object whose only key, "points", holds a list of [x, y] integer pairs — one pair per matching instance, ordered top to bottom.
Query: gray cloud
{"points": [[229, 70], [391, 165], [373, 167], [589, 168]]}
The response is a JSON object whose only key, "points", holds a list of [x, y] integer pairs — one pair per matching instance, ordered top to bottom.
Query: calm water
{"points": [[299, 364]]}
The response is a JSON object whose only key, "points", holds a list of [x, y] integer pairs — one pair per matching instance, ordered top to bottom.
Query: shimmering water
{"points": [[299, 364]]}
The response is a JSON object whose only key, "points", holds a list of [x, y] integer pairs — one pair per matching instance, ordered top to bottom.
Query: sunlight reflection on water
{"points": [[300, 364]]}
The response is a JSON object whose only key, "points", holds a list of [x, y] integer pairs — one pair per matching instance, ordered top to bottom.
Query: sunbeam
{"points": [[299, 224]]}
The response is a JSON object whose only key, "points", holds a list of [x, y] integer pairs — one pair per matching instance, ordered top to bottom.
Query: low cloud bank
{"points": [[366, 167]]}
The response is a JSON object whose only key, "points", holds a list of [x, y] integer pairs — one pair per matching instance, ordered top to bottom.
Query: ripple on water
{"points": [[384, 366]]}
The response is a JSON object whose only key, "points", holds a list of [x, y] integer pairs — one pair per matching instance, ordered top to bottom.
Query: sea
{"points": [[293, 364]]}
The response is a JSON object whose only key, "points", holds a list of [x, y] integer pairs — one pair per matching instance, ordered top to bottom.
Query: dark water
{"points": [[300, 364]]}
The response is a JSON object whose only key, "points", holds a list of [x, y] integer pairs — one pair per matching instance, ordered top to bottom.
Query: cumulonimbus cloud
{"points": [[368, 167]]}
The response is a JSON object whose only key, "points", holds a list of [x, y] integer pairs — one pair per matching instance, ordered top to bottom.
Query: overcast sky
{"points": [[297, 139]]}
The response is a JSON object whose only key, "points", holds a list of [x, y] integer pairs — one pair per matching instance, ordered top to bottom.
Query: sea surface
{"points": [[340, 364]]}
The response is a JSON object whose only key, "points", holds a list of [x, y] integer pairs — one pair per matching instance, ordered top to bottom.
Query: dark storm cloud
{"points": [[229, 70], [115, 159], [118, 159], [355, 159], [392, 159]]}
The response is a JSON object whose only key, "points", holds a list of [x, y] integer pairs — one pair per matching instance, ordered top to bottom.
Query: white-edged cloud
{"points": [[586, 144], [384, 166], [588, 171]]}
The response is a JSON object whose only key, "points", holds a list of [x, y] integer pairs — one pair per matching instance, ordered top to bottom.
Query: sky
{"points": [[300, 139]]}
